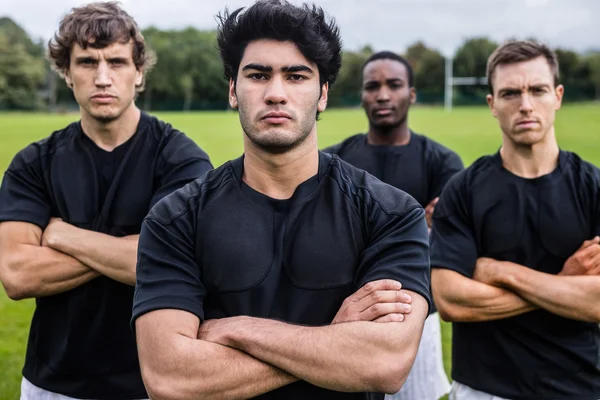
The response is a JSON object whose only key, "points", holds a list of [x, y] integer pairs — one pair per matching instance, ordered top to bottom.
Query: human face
{"points": [[103, 80], [386, 94], [278, 95], [525, 101]]}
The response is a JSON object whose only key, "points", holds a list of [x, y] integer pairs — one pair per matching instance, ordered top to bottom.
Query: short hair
{"points": [[98, 25], [316, 37], [518, 51], [388, 55]]}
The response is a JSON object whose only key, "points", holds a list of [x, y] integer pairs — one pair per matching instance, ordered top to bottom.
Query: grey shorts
{"points": [[31, 392]]}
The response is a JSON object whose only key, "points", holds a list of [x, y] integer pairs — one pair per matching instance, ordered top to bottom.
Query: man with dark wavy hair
{"points": [[71, 209], [283, 274]]}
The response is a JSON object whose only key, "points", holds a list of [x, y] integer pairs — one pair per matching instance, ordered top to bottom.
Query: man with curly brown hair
{"points": [[71, 208]]}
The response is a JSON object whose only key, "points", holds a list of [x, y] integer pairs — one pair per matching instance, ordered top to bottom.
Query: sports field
{"points": [[470, 131]]}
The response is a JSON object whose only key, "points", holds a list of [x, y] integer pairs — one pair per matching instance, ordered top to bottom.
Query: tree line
{"points": [[189, 75]]}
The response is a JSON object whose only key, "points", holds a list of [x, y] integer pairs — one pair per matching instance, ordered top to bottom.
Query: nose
{"points": [[102, 78], [275, 91], [383, 95], [526, 104]]}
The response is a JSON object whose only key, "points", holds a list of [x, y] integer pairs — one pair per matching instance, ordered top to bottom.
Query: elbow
{"points": [[16, 286], [448, 312], [392, 375], [160, 387]]}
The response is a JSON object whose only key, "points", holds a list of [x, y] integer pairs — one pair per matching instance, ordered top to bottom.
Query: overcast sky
{"points": [[384, 24]]}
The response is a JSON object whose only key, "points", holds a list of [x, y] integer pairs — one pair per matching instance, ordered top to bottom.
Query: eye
{"points": [[257, 76], [296, 77], [538, 91], [509, 94]]}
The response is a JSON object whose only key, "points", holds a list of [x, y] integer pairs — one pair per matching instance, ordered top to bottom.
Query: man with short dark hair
{"points": [[413, 163], [71, 208], [515, 248], [278, 275]]}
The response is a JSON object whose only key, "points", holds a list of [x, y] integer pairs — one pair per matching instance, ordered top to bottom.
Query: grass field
{"points": [[470, 131]]}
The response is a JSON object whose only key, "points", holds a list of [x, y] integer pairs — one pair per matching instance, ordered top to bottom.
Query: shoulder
{"points": [[345, 144], [174, 145], [437, 150], [38, 152], [363, 187], [194, 195]]}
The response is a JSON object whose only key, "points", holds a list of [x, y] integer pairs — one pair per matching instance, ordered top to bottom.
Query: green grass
{"points": [[470, 131]]}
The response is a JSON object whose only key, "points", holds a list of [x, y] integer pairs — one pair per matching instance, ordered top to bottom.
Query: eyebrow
{"points": [[287, 68], [388, 81], [518, 89]]}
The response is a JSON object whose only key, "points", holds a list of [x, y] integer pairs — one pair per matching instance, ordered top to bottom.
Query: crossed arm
{"points": [[36, 263], [501, 289], [242, 357]]}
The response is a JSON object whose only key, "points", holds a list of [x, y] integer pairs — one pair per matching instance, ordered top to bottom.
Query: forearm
{"points": [[109, 255], [38, 271], [575, 297], [461, 299], [380, 358], [195, 369]]}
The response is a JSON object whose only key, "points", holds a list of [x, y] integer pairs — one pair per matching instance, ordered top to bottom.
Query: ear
{"points": [[139, 76], [68, 79], [559, 93], [413, 95], [490, 100], [233, 102], [322, 105]]}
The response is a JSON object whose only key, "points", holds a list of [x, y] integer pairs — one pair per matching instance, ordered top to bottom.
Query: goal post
{"points": [[452, 81]]}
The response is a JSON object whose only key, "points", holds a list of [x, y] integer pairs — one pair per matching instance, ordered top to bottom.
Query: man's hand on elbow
{"points": [[57, 231], [585, 261], [378, 301]]}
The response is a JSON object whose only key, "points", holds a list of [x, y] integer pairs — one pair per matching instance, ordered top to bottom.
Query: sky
{"points": [[383, 24]]}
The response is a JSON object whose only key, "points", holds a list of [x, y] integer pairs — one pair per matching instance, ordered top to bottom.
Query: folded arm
{"points": [[111, 256], [28, 269], [462, 299], [381, 357]]}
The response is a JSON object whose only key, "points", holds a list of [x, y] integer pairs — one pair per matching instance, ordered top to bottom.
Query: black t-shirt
{"points": [[421, 168], [486, 211], [217, 248], [80, 342]]}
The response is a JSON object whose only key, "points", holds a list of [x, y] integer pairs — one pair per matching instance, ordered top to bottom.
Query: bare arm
{"points": [[109, 255], [28, 269], [575, 297], [461, 299], [381, 357], [176, 365]]}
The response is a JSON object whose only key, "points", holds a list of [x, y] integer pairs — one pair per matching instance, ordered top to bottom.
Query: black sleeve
{"points": [[334, 149], [182, 161], [449, 164], [22, 194], [453, 244], [398, 250], [167, 275]]}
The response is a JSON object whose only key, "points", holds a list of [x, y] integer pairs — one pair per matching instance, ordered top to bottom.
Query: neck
{"points": [[111, 134], [394, 136], [531, 161], [278, 175]]}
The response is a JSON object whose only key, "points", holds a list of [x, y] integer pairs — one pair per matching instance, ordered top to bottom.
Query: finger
{"points": [[586, 243], [590, 251], [594, 265], [370, 287], [382, 296], [381, 309], [390, 318]]}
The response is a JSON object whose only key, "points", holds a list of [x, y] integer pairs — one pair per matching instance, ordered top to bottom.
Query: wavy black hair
{"points": [[316, 36], [388, 55]]}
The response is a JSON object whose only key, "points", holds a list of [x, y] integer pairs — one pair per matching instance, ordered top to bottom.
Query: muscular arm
{"points": [[109, 255], [28, 269], [576, 297], [461, 299], [380, 360], [176, 365]]}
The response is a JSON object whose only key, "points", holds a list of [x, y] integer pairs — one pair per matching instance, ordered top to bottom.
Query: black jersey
{"points": [[421, 168], [486, 211], [218, 248], [80, 342]]}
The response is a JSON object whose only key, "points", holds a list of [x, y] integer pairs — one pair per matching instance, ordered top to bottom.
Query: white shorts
{"points": [[427, 379], [31, 392], [464, 392]]}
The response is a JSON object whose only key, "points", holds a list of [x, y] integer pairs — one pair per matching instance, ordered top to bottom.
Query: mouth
{"points": [[103, 98], [383, 112], [276, 117], [527, 123]]}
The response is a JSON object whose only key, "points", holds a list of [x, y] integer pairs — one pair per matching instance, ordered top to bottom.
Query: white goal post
{"points": [[452, 81]]}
